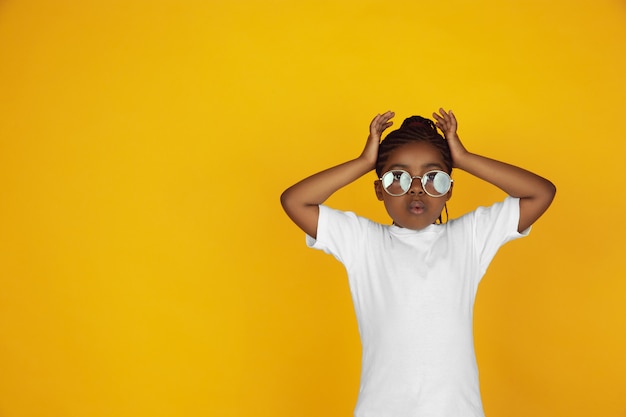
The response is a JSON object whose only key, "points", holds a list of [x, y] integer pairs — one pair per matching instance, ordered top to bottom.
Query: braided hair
{"points": [[413, 129]]}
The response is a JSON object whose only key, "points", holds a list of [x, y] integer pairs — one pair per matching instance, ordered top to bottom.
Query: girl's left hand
{"points": [[446, 122]]}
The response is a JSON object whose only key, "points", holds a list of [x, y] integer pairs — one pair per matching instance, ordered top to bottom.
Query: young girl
{"points": [[413, 283]]}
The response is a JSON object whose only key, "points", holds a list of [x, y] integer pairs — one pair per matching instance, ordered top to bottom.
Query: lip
{"points": [[417, 207]]}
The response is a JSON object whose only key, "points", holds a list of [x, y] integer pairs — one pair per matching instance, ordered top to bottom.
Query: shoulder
{"points": [[508, 209], [339, 217], [495, 222], [344, 224], [344, 233]]}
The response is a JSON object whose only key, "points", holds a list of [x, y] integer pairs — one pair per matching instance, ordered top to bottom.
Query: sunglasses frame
{"points": [[421, 178]]}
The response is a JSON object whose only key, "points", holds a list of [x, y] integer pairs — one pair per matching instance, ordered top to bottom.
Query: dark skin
{"points": [[535, 193], [301, 201], [416, 209]]}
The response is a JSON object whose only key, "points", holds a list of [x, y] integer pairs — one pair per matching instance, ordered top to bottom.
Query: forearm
{"points": [[513, 180], [316, 189], [535, 192], [301, 201]]}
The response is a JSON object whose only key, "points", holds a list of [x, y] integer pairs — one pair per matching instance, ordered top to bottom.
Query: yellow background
{"points": [[146, 268]]}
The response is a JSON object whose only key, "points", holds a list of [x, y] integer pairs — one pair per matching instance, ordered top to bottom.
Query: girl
{"points": [[413, 283]]}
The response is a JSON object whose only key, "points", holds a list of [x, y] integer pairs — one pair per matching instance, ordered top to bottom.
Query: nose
{"points": [[416, 186]]}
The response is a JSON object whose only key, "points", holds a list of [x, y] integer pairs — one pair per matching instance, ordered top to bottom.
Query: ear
{"points": [[378, 189]]}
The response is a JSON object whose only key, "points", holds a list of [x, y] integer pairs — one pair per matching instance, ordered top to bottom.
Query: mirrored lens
{"points": [[398, 182], [436, 183]]}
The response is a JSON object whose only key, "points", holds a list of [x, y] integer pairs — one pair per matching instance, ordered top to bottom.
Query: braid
{"points": [[413, 129]]}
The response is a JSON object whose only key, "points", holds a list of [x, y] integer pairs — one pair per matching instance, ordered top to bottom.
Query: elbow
{"points": [[551, 190], [548, 193], [543, 195], [284, 199], [288, 201]]}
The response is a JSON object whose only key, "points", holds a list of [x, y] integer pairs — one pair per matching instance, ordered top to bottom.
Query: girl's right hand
{"points": [[379, 124]]}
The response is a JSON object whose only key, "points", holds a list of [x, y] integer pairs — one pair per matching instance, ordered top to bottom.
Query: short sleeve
{"points": [[494, 226], [338, 232]]}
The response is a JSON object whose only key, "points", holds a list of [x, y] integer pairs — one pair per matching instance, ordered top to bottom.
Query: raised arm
{"points": [[535, 193], [301, 201]]}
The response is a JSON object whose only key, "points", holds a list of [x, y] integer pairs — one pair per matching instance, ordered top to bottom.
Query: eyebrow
{"points": [[424, 166]]}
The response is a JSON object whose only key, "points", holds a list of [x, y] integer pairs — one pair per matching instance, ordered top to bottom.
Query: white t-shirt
{"points": [[413, 293]]}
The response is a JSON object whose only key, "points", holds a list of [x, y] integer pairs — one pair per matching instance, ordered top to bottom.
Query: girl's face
{"points": [[414, 210]]}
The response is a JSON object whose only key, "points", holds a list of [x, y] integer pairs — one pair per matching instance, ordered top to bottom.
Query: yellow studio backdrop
{"points": [[146, 268]]}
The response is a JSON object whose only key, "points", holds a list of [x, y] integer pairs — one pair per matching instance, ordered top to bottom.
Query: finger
{"points": [[388, 115], [375, 122], [380, 123], [382, 128]]}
